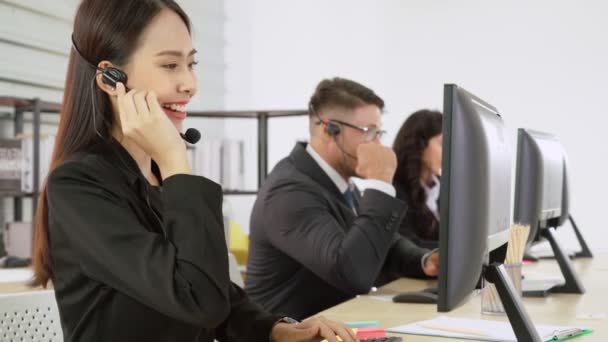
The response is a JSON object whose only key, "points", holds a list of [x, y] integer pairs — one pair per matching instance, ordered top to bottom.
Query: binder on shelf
{"points": [[47, 143], [190, 153], [222, 161], [10, 165], [27, 165], [233, 172], [18, 239]]}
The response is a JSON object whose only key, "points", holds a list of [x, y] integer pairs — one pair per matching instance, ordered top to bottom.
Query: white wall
{"points": [[208, 20], [541, 63]]}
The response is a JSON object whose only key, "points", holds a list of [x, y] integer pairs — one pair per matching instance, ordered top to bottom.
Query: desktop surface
{"points": [[558, 309]]}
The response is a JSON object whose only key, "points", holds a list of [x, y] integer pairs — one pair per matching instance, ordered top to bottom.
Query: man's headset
{"points": [[111, 76], [331, 128]]}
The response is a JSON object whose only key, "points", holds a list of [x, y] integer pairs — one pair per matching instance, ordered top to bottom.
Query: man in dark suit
{"points": [[314, 240]]}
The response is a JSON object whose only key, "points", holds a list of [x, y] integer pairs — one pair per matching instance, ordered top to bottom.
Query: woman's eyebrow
{"points": [[175, 53]]}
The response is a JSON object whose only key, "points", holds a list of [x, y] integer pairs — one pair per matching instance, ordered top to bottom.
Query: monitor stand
{"points": [[585, 251], [548, 254], [572, 282], [539, 287], [518, 317]]}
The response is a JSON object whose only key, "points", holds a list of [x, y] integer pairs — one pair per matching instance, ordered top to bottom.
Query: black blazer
{"points": [[408, 227], [308, 251], [136, 263]]}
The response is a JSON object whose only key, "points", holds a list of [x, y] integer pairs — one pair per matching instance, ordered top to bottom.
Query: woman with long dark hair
{"points": [[418, 150], [132, 242]]}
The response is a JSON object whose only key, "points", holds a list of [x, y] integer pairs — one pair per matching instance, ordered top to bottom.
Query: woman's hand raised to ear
{"points": [[143, 120], [313, 330]]}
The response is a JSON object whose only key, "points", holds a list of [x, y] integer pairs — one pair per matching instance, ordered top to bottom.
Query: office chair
{"points": [[30, 317]]}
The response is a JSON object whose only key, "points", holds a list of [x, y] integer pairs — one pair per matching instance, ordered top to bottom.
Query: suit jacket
{"points": [[408, 227], [308, 250], [133, 262]]}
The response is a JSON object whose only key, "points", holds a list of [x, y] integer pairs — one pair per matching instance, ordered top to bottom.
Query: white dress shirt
{"points": [[432, 195]]}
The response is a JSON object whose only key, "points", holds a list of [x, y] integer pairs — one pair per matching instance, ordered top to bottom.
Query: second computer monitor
{"points": [[541, 189], [475, 198]]}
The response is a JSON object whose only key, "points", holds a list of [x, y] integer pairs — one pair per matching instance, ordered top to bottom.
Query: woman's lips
{"points": [[176, 110]]}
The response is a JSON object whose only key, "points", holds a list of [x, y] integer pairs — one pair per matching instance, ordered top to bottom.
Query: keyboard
{"points": [[382, 339]]}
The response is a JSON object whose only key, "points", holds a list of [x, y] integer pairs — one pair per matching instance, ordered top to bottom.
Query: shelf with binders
{"points": [[37, 107], [262, 117]]}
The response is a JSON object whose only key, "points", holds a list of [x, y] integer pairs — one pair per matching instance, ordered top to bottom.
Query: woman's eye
{"points": [[191, 65], [170, 66]]}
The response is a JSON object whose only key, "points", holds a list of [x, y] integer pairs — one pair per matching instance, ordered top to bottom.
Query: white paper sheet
{"points": [[8, 275], [491, 330]]}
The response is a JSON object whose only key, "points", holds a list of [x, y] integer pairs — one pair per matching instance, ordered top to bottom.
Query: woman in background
{"points": [[418, 148]]}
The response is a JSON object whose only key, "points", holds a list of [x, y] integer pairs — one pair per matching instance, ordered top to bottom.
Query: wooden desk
{"points": [[556, 309]]}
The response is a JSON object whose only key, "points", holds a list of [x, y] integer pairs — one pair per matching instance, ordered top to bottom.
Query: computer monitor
{"points": [[539, 182], [475, 199], [542, 201], [475, 203], [526, 206]]}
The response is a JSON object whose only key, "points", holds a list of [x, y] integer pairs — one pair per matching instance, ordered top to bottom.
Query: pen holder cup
{"points": [[490, 300]]}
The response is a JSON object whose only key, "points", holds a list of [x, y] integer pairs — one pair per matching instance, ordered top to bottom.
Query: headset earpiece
{"points": [[111, 76], [333, 129], [422, 143]]}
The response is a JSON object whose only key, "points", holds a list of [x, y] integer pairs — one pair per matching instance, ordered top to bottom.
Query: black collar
{"points": [[112, 151]]}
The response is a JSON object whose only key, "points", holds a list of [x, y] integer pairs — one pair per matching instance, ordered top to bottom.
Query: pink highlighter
{"points": [[370, 332]]}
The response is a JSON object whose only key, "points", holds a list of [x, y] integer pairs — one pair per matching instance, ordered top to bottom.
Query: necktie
{"points": [[349, 196]]}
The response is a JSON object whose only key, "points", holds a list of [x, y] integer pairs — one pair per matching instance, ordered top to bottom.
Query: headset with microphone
{"points": [[111, 76], [332, 129], [422, 143]]}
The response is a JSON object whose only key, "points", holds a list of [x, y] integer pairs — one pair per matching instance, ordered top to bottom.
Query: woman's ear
{"points": [[108, 89]]}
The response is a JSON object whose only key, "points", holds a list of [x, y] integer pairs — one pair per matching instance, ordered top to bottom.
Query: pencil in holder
{"points": [[490, 300]]}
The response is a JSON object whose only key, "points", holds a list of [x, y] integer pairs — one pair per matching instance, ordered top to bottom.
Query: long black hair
{"points": [[103, 30], [409, 145]]}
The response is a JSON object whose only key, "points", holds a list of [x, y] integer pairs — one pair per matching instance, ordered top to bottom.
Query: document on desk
{"points": [[13, 275], [481, 330]]}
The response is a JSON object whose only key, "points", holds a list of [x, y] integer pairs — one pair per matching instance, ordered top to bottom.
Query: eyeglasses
{"points": [[369, 133]]}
